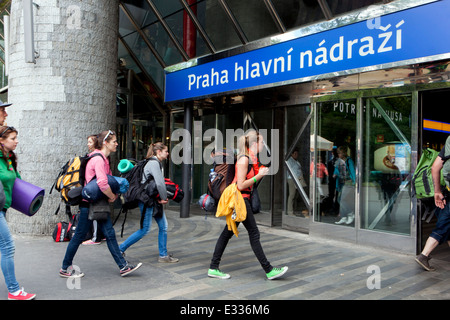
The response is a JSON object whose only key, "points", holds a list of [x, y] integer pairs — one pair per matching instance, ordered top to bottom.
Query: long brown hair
{"points": [[5, 131], [153, 148]]}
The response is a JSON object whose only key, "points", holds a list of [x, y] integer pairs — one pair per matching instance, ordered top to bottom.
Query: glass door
{"points": [[297, 157], [334, 162], [361, 162], [386, 174]]}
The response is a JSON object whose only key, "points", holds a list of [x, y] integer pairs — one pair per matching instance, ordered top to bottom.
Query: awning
{"points": [[322, 144]]}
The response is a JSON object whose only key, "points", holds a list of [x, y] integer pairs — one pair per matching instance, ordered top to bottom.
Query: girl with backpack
{"points": [[157, 153], [97, 167], [248, 173], [8, 174]]}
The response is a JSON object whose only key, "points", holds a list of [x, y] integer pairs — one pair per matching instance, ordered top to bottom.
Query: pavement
{"points": [[318, 269]]}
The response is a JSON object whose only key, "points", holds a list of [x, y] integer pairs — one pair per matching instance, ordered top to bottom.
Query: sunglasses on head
{"points": [[7, 128], [109, 133]]}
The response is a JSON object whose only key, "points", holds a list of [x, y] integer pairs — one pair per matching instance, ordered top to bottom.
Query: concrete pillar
{"points": [[68, 94]]}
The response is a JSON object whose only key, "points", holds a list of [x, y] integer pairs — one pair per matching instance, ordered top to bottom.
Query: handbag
{"points": [[255, 203], [99, 210]]}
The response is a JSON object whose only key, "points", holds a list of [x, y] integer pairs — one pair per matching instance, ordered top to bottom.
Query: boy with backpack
{"points": [[441, 232]]}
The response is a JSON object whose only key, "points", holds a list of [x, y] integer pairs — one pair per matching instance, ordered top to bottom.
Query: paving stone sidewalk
{"points": [[318, 269]]}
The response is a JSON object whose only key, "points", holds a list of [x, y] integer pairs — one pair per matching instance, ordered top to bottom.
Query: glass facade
{"points": [[386, 164]]}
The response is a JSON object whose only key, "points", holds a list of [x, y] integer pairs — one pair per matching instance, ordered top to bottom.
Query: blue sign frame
{"points": [[399, 37]]}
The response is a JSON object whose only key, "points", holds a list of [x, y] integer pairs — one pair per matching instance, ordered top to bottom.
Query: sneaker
{"points": [[350, 219], [343, 220], [90, 242], [168, 259], [423, 261], [129, 269], [70, 273], [216, 273], [276, 273], [22, 295]]}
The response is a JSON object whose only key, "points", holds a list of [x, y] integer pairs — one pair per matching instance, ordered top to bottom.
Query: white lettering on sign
{"points": [[346, 49], [350, 108]]}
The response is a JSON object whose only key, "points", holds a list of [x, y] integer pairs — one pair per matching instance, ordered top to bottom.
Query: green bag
{"points": [[422, 180]]}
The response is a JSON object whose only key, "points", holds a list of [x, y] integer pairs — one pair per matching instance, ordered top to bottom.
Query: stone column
{"points": [[68, 94]]}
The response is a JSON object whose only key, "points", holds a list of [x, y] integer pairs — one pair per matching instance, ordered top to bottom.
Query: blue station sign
{"points": [[419, 32]]}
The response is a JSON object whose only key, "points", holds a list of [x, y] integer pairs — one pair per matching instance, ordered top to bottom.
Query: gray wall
{"points": [[69, 93]]}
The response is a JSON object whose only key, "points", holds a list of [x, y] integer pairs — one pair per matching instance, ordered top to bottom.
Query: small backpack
{"points": [[225, 172], [70, 180], [422, 181], [61, 232]]}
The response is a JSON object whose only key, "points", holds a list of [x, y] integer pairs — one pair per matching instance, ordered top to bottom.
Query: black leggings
{"points": [[253, 234]]}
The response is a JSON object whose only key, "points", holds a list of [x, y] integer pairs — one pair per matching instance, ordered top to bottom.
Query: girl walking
{"points": [[157, 153], [97, 167], [248, 172], [8, 174]]}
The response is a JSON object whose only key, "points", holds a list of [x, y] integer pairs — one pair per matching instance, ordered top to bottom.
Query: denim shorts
{"points": [[441, 231]]}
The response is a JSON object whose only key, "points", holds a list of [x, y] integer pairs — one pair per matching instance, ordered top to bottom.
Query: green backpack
{"points": [[422, 180]]}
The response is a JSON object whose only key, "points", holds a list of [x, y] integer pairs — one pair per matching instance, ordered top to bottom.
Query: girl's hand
{"points": [[263, 171]]}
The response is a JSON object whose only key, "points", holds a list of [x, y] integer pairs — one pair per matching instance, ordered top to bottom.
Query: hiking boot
{"points": [[168, 259], [423, 261], [129, 269], [70, 273], [216, 273], [276, 273], [21, 295]]}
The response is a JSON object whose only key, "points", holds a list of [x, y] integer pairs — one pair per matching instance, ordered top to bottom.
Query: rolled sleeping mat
{"points": [[124, 166], [91, 192], [26, 197]]}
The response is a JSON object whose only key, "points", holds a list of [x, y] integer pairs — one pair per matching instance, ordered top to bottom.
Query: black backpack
{"points": [[136, 191]]}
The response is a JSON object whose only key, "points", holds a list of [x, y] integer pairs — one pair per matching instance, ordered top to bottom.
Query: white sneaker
{"points": [[350, 219], [343, 220]]}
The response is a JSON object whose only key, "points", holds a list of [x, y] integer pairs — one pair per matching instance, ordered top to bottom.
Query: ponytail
{"points": [[153, 148]]}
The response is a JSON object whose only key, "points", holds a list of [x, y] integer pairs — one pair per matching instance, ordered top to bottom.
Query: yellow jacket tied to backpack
{"points": [[232, 206]]}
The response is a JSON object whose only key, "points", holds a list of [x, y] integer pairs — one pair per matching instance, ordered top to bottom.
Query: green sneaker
{"points": [[216, 273], [276, 273]]}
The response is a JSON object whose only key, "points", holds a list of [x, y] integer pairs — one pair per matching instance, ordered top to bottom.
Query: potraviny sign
{"points": [[400, 37]]}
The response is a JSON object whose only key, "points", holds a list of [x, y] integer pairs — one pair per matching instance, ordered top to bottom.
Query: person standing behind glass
{"points": [[296, 169], [8, 175], [345, 184]]}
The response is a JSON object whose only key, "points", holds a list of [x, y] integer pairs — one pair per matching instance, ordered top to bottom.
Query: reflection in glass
{"points": [[146, 58], [297, 163], [333, 163], [385, 192]]}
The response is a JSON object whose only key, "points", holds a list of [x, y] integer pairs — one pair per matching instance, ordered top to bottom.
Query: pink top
{"points": [[99, 168]]}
